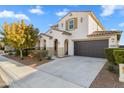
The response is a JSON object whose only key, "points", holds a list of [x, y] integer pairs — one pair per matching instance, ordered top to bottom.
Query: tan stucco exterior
{"points": [[86, 26]]}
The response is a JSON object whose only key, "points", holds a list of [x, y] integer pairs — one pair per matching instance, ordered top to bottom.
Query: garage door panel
{"points": [[94, 48]]}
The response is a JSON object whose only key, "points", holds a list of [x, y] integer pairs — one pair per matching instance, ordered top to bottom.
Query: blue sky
{"points": [[42, 17]]}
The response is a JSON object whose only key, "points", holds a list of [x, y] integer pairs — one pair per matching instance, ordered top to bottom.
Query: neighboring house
{"points": [[79, 33]]}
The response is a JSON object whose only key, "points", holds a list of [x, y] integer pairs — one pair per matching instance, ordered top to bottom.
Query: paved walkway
{"points": [[20, 76]]}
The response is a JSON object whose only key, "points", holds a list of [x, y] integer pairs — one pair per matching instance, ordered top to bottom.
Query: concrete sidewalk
{"points": [[17, 75]]}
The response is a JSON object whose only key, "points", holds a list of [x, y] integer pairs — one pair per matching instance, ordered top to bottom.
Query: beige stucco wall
{"points": [[92, 25], [82, 27], [80, 32], [61, 39], [113, 42], [71, 47], [50, 51]]}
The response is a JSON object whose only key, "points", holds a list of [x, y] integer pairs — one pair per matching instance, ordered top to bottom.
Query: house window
{"points": [[71, 24]]}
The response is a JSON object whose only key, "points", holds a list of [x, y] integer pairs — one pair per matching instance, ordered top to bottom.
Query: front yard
{"points": [[28, 61], [109, 75], [106, 79]]}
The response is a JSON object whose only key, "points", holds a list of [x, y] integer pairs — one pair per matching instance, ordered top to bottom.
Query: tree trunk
{"points": [[21, 55]]}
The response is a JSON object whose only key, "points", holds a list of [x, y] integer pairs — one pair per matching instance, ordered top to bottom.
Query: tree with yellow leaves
{"points": [[19, 35]]}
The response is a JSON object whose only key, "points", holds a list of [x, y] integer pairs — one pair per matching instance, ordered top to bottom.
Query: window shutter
{"points": [[75, 23], [66, 25]]}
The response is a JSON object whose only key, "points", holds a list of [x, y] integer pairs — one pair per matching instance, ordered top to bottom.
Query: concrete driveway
{"points": [[80, 71], [69, 72]]}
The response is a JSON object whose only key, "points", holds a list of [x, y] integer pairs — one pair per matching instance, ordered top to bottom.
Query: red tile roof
{"points": [[105, 33]]}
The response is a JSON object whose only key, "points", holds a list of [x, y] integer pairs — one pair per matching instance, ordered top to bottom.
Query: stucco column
{"points": [[50, 47], [70, 47], [60, 48]]}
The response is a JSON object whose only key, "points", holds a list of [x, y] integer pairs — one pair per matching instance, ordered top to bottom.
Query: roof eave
{"points": [[45, 35]]}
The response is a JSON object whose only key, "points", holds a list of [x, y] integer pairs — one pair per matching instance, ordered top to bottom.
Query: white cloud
{"points": [[36, 10], [108, 10], [62, 13], [12, 14], [21, 16], [50, 24], [121, 24]]}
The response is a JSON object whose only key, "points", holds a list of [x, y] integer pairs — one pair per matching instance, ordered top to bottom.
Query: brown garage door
{"points": [[93, 48]]}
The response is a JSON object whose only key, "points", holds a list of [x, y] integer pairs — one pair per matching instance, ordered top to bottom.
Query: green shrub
{"points": [[27, 51], [24, 52], [10, 53], [44, 53], [39, 54], [109, 54], [119, 56], [49, 57], [113, 68]]}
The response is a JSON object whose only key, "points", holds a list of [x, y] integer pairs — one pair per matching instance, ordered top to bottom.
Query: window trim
{"points": [[69, 24]]}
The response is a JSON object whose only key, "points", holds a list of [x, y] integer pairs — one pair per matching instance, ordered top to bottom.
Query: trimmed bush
{"points": [[25, 52], [10, 53], [44, 53], [39, 54], [109, 54], [119, 56], [49, 57], [113, 68]]}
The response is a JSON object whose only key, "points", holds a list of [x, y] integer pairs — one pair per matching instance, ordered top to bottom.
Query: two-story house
{"points": [[78, 33]]}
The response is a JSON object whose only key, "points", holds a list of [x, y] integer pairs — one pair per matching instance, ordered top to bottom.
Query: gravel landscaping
{"points": [[27, 61], [106, 79]]}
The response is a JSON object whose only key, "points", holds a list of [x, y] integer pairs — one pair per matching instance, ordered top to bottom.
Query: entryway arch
{"points": [[44, 44], [56, 47], [66, 47]]}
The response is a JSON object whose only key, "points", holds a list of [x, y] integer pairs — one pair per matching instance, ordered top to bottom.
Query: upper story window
{"points": [[71, 24]]}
